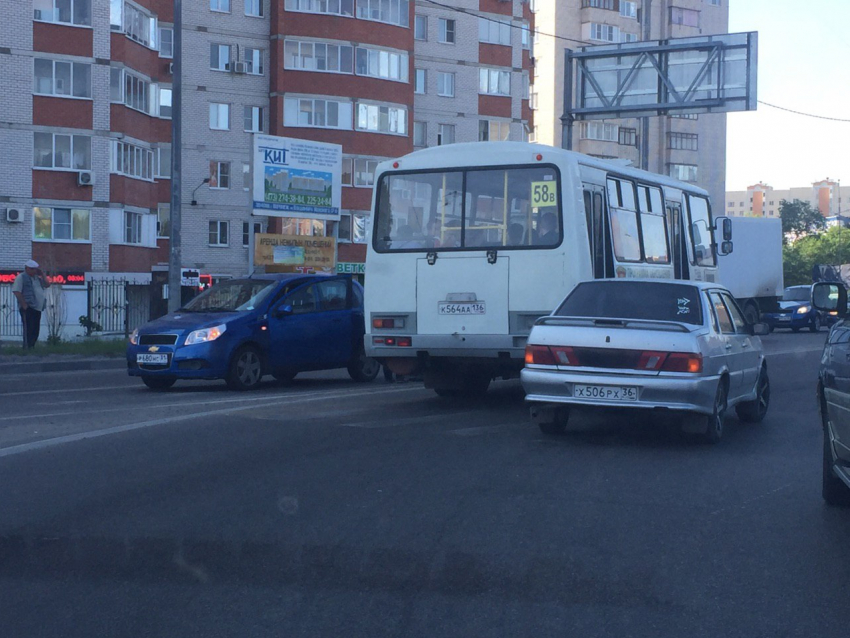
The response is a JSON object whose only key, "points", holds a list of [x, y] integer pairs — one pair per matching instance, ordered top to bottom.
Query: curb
{"points": [[7, 369]]}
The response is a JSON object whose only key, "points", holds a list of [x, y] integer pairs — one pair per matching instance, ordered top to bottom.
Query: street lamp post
{"points": [[175, 257]]}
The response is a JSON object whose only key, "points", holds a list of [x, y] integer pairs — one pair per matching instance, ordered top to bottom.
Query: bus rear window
{"points": [[513, 207], [633, 300]]}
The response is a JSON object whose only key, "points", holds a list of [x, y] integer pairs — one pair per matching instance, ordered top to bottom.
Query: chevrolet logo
{"points": [[153, 349]]}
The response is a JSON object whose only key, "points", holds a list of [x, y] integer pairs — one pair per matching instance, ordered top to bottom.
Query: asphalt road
{"points": [[329, 508]]}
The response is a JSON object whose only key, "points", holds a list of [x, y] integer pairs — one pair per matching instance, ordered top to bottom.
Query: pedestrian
{"points": [[29, 289]]}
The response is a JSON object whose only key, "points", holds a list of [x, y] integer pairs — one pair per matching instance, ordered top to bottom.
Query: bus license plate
{"points": [[463, 308], [152, 359], [605, 392]]}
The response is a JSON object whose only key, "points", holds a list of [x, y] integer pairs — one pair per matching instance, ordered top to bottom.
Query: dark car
{"points": [[795, 311], [241, 329], [834, 395]]}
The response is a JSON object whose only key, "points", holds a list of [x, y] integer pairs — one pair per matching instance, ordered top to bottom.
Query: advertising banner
{"points": [[297, 178], [295, 253]]}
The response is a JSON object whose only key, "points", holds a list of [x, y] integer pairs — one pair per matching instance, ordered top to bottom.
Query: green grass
{"points": [[86, 347]]}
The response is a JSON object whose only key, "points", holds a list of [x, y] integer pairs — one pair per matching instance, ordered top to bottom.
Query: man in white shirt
{"points": [[29, 289]]}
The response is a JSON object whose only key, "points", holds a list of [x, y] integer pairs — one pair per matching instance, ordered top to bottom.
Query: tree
{"points": [[799, 218], [831, 248]]}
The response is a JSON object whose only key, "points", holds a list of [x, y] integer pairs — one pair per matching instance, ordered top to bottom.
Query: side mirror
{"points": [[724, 224], [725, 248], [830, 297], [283, 311], [759, 329]]}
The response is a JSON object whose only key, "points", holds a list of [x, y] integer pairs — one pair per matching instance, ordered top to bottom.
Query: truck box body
{"points": [[753, 271]]}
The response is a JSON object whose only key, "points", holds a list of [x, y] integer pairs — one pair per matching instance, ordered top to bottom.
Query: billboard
{"points": [[296, 178], [295, 253]]}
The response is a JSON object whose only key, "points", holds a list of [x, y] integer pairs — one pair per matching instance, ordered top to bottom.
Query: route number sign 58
{"points": [[544, 193]]}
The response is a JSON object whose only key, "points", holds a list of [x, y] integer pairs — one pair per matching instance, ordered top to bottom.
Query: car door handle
{"points": [[746, 344], [728, 346]]}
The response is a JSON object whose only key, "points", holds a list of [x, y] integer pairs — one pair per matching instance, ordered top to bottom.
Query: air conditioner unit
{"points": [[240, 67], [85, 178], [14, 215]]}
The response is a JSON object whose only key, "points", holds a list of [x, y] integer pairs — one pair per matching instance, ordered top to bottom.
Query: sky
{"points": [[804, 65]]}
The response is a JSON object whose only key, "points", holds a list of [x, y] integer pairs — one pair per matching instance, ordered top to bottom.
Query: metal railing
{"points": [[117, 307], [10, 319]]}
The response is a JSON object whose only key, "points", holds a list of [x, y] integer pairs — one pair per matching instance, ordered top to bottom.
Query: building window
{"points": [[715, 3], [598, 4], [220, 5], [333, 7], [254, 8], [628, 9], [63, 11], [389, 11], [685, 17], [140, 26], [420, 27], [447, 31], [494, 31], [602, 32], [525, 34], [628, 37], [166, 42], [318, 56], [220, 57], [254, 61], [378, 63], [71, 79], [419, 80], [494, 82], [445, 84], [526, 86], [137, 93], [164, 102], [316, 113], [219, 116], [685, 116], [254, 119], [382, 119], [493, 131], [599, 131], [420, 134], [445, 134], [628, 137], [683, 141], [71, 152], [132, 161], [162, 162], [347, 171], [364, 171], [684, 172], [219, 174], [246, 176], [163, 220], [58, 224], [132, 227], [352, 227], [246, 232], [218, 233]]}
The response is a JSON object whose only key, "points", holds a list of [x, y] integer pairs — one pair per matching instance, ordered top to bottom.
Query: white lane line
{"points": [[67, 391], [183, 404], [371, 425], [483, 429], [70, 438]]}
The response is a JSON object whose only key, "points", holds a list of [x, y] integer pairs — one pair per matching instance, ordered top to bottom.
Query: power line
{"points": [[819, 117]]}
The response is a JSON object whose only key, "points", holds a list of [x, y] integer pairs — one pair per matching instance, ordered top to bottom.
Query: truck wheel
{"points": [[751, 313]]}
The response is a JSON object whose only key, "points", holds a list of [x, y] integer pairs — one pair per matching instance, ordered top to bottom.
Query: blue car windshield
{"points": [[797, 294], [231, 296]]}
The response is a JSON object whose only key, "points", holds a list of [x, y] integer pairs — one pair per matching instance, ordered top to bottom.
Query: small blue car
{"points": [[796, 312], [241, 329]]}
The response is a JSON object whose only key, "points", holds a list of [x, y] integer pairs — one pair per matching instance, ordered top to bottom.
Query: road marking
{"points": [[797, 351], [68, 391], [371, 425], [482, 429], [93, 434]]}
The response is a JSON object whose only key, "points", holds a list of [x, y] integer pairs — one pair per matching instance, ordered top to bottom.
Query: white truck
{"points": [[753, 271]]}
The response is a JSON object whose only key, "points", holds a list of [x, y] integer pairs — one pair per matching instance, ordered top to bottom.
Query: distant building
{"points": [[762, 200]]}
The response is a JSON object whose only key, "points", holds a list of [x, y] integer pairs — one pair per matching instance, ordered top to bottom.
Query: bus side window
{"points": [[588, 214], [625, 231], [603, 265]]}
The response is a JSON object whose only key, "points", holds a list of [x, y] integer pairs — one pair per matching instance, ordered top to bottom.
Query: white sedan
{"points": [[676, 346]]}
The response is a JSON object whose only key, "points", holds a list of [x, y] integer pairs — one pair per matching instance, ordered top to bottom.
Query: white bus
{"points": [[470, 243]]}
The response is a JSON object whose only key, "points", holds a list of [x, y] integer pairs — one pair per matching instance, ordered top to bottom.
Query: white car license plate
{"points": [[463, 308], [785, 318], [155, 359], [605, 392]]}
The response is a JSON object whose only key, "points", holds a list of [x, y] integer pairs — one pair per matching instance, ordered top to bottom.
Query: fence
{"points": [[118, 307], [10, 320]]}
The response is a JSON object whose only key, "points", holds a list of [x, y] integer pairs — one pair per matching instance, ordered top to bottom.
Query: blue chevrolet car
{"points": [[796, 312], [241, 329]]}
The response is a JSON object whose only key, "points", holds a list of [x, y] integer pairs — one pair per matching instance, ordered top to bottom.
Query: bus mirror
{"points": [[724, 224], [725, 248]]}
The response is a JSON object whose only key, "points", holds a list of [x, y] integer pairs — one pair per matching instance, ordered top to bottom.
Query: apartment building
{"points": [[86, 116], [689, 147], [762, 200]]}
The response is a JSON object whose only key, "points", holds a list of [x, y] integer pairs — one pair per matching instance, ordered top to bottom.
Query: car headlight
{"points": [[803, 310], [207, 334], [134, 337]]}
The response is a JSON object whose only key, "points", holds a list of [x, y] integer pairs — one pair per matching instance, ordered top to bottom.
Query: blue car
{"points": [[796, 312], [241, 329]]}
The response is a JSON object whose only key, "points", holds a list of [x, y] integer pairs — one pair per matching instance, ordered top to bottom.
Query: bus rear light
{"points": [[388, 322], [405, 342], [540, 355], [683, 362]]}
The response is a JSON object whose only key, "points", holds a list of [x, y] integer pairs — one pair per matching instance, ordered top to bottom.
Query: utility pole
{"points": [[646, 10], [175, 257]]}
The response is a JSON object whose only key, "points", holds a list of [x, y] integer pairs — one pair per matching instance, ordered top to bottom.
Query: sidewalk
{"points": [[13, 365]]}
